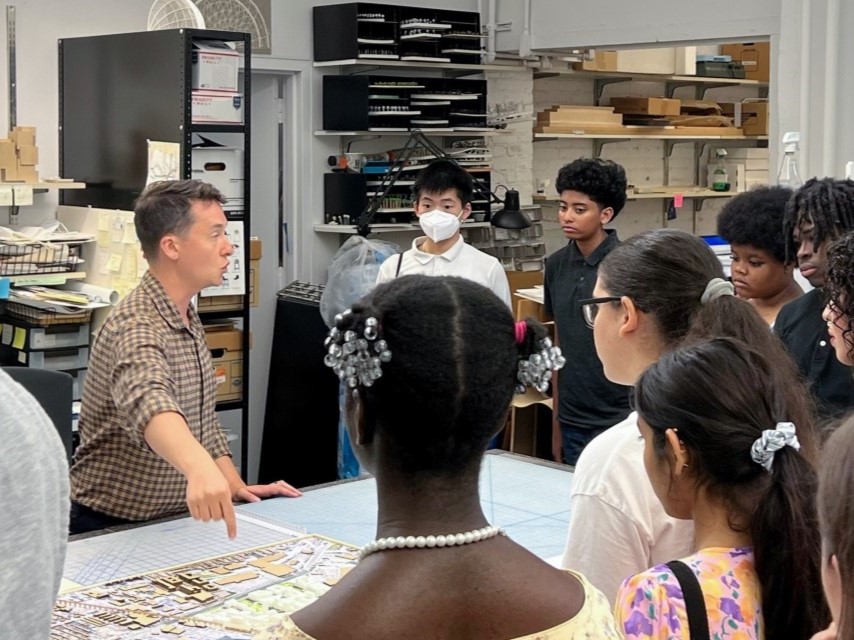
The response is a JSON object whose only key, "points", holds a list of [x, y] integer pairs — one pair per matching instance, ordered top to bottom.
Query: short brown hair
{"points": [[165, 207], [836, 515]]}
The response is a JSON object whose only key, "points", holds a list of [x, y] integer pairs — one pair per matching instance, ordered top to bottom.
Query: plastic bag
{"points": [[352, 274]]}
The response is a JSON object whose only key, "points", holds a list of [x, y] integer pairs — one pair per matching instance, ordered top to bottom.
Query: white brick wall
{"points": [[513, 152]]}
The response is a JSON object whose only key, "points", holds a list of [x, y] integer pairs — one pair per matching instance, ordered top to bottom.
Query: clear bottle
{"points": [[789, 176], [720, 178]]}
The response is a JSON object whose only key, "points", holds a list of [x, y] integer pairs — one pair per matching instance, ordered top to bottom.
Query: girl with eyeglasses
{"points": [[653, 291]]}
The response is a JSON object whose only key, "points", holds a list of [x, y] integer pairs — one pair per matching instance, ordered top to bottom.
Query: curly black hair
{"points": [[603, 181], [828, 203], [755, 218], [839, 283], [448, 386]]}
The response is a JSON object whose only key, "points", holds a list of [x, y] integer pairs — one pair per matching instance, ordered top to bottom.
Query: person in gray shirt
{"points": [[34, 501]]}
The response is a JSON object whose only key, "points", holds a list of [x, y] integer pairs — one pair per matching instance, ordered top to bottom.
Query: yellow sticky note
{"points": [[6, 197], [104, 221], [117, 229], [129, 236], [104, 239], [103, 261], [114, 264], [129, 269], [20, 338]]}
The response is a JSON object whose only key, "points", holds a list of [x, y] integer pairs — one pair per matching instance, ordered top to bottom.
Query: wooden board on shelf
{"points": [[643, 132]]}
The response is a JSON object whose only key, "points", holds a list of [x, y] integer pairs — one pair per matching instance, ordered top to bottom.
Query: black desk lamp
{"points": [[510, 217]]}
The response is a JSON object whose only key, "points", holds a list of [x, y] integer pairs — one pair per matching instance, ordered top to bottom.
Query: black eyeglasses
{"points": [[590, 307]]}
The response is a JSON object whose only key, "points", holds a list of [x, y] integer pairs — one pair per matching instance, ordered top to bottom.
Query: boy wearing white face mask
{"points": [[443, 194]]}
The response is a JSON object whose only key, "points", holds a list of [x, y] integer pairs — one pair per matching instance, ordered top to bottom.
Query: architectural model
{"points": [[228, 597]]}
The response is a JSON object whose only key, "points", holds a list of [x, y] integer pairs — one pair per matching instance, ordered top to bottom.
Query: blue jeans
{"points": [[574, 440]]}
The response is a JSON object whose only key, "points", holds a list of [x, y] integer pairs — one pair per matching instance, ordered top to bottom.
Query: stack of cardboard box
{"points": [[576, 118], [19, 156]]}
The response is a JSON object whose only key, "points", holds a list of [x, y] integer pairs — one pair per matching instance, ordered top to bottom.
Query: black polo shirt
{"points": [[802, 329], [588, 400]]}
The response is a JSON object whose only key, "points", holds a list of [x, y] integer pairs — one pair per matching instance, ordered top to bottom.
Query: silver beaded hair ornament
{"points": [[353, 357], [358, 358], [536, 370]]}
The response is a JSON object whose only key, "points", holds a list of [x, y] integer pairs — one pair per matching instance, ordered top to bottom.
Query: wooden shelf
{"points": [[475, 68], [645, 77], [406, 134], [638, 136], [46, 185], [688, 192], [343, 229], [44, 279]]}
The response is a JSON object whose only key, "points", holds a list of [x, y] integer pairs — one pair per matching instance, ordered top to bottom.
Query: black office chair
{"points": [[54, 391]]}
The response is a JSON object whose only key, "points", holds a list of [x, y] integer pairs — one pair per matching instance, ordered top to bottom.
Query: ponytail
{"points": [[723, 395], [786, 543]]}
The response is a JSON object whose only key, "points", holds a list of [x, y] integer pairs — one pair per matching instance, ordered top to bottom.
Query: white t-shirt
{"points": [[461, 260], [35, 506], [617, 527]]}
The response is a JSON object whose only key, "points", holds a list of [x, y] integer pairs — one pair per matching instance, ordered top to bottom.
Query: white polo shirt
{"points": [[461, 260]]}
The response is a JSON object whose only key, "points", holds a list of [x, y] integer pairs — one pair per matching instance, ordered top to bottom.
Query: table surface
{"points": [[528, 497]]}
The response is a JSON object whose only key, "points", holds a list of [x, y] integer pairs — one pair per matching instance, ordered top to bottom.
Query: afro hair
{"points": [[603, 181], [755, 218]]}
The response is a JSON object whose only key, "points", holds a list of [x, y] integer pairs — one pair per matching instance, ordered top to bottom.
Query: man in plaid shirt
{"points": [[150, 441]]}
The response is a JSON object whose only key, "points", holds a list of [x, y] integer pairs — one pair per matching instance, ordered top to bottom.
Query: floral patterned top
{"points": [[651, 605], [593, 622]]}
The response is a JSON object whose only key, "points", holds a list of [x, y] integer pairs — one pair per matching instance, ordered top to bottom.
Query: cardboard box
{"points": [[755, 56], [660, 60], [602, 61], [215, 66], [647, 106], [222, 108], [751, 117], [23, 136], [28, 155], [8, 157], [223, 168], [26, 174], [255, 248], [254, 282], [220, 303], [226, 347]]}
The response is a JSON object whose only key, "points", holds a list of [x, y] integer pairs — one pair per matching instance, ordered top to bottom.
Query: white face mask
{"points": [[439, 225]]}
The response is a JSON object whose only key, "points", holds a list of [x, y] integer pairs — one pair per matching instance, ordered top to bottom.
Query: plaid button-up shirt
{"points": [[144, 361]]}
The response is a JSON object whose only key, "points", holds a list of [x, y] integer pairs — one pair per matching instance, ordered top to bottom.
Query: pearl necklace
{"points": [[429, 542]]}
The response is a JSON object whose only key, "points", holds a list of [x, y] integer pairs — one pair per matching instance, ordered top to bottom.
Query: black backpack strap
{"points": [[399, 262], [695, 605]]}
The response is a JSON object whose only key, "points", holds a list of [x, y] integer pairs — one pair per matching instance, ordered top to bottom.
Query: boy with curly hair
{"points": [[591, 193], [818, 213], [752, 224]]}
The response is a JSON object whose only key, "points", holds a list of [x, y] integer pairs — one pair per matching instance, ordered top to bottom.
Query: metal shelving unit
{"points": [[116, 92]]}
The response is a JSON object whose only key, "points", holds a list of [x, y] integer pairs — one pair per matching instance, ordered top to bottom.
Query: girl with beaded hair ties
{"points": [[432, 364]]}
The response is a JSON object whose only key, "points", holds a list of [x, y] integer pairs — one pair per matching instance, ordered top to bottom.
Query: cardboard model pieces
{"points": [[19, 156]]}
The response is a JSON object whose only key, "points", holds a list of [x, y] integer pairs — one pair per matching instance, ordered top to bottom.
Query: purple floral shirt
{"points": [[651, 605]]}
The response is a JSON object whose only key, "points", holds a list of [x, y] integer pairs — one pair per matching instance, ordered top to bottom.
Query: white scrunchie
{"points": [[716, 288], [771, 440]]}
